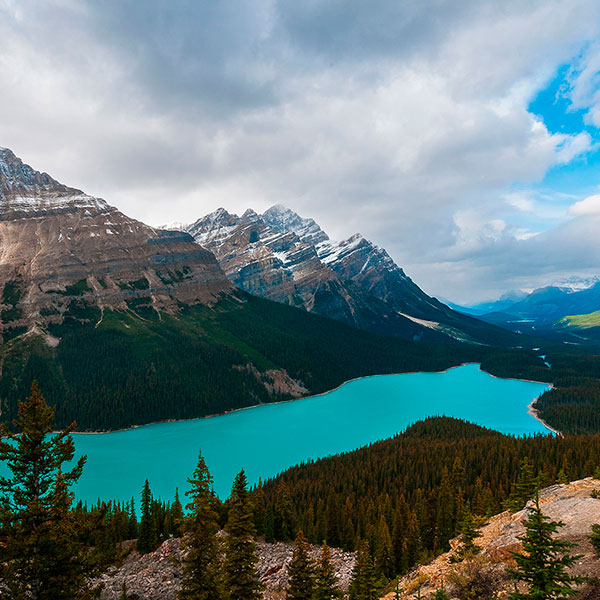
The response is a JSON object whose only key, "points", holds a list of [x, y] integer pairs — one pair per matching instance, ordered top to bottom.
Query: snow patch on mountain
{"points": [[577, 284]]}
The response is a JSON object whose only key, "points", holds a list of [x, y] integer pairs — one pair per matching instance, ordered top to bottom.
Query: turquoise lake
{"points": [[267, 439]]}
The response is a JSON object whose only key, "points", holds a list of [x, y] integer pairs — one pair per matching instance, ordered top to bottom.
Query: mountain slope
{"points": [[62, 250], [283, 257], [125, 324], [126, 369]]}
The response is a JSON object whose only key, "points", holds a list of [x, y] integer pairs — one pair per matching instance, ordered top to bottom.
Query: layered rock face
{"points": [[58, 244], [284, 257]]}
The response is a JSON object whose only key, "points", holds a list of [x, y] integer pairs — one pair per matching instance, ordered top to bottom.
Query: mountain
{"points": [[64, 251], [289, 259], [505, 301], [543, 310], [124, 324]]}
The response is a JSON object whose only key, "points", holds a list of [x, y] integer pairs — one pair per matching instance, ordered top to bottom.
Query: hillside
{"points": [[63, 252], [585, 326], [119, 368], [575, 504]]}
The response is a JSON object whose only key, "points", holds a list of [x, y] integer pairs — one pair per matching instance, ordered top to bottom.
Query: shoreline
{"points": [[530, 408], [234, 410]]}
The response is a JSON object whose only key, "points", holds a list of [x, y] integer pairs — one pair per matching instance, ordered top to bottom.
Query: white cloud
{"points": [[584, 88], [405, 121], [587, 206]]}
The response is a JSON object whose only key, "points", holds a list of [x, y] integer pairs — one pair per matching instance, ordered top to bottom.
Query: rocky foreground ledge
{"points": [[574, 504], [156, 576]]}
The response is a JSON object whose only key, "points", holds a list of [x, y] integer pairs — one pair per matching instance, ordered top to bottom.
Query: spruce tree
{"points": [[523, 489], [176, 517], [284, 526], [132, 528], [469, 535], [148, 536], [595, 537], [384, 553], [40, 555], [543, 564], [241, 577], [202, 579], [301, 582], [363, 585], [326, 587]]}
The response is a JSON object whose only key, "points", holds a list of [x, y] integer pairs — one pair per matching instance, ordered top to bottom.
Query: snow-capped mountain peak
{"points": [[25, 191], [286, 220], [287, 258], [577, 284]]}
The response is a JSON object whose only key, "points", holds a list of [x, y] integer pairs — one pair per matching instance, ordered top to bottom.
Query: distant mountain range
{"points": [[284, 257], [559, 310], [122, 323]]}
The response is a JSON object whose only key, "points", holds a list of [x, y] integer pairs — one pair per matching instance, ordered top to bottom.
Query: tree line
{"points": [[426, 483], [409, 495]]}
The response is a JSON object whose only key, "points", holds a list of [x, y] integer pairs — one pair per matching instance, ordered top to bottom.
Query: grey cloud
{"points": [[383, 117]]}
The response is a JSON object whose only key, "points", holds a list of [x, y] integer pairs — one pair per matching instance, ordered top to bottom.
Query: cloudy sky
{"points": [[461, 135]]}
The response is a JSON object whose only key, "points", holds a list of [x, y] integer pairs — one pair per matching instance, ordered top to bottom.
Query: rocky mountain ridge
{"points": [[62, 251], [284, 257]]}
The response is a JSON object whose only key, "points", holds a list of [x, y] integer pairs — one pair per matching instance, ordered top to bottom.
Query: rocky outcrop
{"points": [[62, 251], [284, 257], [575, 504], [157, 576]]}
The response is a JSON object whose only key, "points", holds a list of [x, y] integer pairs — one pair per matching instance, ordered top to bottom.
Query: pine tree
{"points": [[523, 489], [260, 510], [445, 513], [283, 514], [176, 517], [132, 529], [469, 535], [148, 536], [595, 537], [40, 555], [544, 562], [241, 577], [202, 578], [301, 583], [363, 585], [326, 587], [397, 589], [124, 595]]}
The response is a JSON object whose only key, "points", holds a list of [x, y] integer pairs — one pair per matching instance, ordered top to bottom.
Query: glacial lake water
{"points": [[267, 439]]}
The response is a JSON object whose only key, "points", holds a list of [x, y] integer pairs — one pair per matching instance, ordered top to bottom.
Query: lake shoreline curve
{"points": [[530, 408]]}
